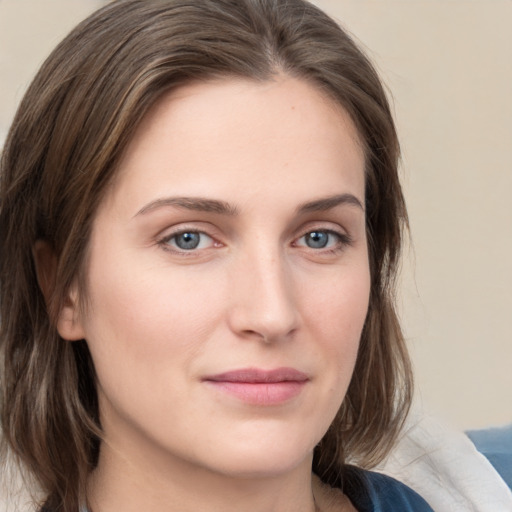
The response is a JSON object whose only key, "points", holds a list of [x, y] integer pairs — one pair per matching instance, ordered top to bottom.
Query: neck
{"points": [[130, 485]]}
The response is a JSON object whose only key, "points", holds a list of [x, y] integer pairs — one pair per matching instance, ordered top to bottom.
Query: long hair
{"points": [[61, 153]]}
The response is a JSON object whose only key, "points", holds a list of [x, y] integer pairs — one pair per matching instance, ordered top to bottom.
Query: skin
{"points": [[254, 293]]}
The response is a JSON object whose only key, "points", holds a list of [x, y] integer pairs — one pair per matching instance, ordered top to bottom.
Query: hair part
{"points": [[62, 151]]}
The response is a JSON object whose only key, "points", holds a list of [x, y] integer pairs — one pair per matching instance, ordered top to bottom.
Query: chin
{"points": [[262, 455], [263, 465]]}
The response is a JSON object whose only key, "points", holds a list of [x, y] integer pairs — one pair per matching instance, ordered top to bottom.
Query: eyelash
{"points": [[343, 240], [165, 242]]}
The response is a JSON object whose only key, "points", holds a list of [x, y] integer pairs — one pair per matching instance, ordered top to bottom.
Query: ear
{"points": [[68, 319]]}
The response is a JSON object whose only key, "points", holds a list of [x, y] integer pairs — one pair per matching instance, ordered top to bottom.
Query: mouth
{"points": [[260, 387]]}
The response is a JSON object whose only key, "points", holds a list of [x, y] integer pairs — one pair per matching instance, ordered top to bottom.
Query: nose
{"points": [[263, 300]]}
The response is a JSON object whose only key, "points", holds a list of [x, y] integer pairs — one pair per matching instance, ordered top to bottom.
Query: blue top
{"points": [[496, 445], [373, 492]]}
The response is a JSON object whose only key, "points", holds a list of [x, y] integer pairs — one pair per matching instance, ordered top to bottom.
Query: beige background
{"points": [[448, 64]]}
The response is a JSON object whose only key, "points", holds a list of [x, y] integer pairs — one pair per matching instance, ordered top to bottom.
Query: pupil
{"points": [[317, 239], [187, 241]]}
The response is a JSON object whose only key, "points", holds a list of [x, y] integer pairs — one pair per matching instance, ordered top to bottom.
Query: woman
{"points": [[201, 221]]}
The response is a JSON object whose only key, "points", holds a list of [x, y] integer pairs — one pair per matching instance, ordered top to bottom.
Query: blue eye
{"points": [[317, 239], [322, 239], [189, 240]]}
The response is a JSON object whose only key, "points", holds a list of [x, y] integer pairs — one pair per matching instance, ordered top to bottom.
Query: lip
{"points": [[260, 387]]}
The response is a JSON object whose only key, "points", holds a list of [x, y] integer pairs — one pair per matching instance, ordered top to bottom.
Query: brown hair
{"points": [[73, 124]]}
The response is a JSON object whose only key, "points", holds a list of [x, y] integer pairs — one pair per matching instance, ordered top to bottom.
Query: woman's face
{"points": [[228, 279]]}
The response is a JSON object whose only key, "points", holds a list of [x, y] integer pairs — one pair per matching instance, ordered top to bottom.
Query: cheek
{"points": [[137, 303], [340, 304], [337, 312], [145, 325]]}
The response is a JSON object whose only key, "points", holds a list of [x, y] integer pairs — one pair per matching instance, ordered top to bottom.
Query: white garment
{"points": [[445, 468]]}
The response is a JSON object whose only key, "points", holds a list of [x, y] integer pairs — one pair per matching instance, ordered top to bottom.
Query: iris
{"points": [[317, 239]]}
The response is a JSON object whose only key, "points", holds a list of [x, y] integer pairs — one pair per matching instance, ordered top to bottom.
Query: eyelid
{"points": [[344, 238], [164, 240]]}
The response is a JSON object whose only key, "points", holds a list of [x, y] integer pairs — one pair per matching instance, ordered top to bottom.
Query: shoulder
{"points": [[496, 445], [374, 492]]}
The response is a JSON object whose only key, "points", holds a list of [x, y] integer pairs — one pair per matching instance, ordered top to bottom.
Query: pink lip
{"points": [[260, 387]]}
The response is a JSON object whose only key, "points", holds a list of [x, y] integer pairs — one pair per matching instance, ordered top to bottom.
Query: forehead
{"points": [[236, 132]]}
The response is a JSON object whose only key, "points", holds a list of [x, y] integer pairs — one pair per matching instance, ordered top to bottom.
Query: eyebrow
{"points": [[327, 203], [200, 204]]}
